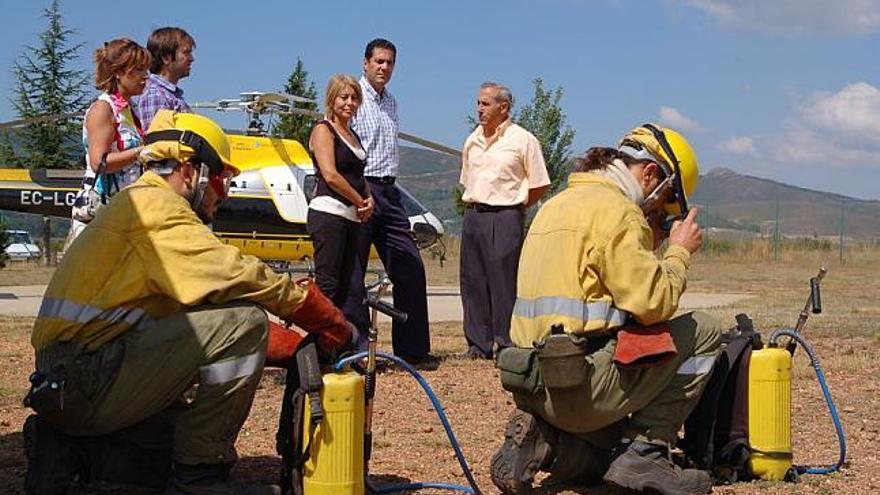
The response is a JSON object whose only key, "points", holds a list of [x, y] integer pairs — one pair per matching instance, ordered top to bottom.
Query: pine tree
{"points": [[47, 86], [543, 117], [298, 126], [8, 159]]}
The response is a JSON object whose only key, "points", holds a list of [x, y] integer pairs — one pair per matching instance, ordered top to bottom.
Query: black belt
{"points": [[387, 179], [483, 208], [593, 341]]}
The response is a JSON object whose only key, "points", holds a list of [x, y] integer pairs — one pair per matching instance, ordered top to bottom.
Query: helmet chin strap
{"points": [[199, 193]]}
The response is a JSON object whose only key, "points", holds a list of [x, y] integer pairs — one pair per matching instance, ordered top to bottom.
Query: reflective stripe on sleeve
{"points": [[572, 308], [84, 313], [697, 365], [231, 369]]}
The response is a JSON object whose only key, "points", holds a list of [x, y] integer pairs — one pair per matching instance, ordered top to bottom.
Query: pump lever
{"points": [[815, 296], [814, 302], [387, 309]]}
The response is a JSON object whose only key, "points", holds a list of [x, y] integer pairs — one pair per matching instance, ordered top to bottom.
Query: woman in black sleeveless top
{"points": [[342, 197]]}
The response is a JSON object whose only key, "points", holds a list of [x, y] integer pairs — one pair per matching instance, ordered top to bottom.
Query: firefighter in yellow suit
{"points": [[146, 303], [602, 374]]}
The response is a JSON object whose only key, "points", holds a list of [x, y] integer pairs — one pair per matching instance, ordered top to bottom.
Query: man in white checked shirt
{"points": [[388, 229]]}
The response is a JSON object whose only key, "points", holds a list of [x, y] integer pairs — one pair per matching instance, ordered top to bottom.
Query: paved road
{"points": [[444, 302]]}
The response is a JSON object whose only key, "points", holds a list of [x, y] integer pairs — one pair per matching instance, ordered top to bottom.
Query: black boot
{"points": [[525, 451], [138, 455], [55, 461], [577, 462], [644, 465], [212, 479]]}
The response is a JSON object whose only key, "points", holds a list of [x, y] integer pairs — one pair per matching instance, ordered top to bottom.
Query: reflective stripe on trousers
{"points": [[573, 308], [84, 313], [697, 365], [231, 369]]}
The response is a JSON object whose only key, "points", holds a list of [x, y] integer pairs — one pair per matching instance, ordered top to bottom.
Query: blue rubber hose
{"points": [[435, 402], [832, 409]]}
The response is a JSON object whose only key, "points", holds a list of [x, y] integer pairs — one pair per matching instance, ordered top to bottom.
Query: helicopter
{"points": [[265, 213]]}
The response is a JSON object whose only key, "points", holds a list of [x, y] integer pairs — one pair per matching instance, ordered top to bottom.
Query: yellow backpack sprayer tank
{"points": [[770, 413], [741, 429], [325, 431], [336, 462]]}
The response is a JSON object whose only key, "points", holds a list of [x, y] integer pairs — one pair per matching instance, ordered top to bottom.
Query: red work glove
{"points": [[319, 316], [283, 343], [644, 347]]}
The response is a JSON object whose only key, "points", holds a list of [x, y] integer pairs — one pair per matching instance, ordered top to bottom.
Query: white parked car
{"points": [[21, 247]]}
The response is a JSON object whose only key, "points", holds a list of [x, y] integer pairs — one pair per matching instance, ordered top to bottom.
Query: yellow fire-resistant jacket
{"points": [[147, 255], [587, 263]]}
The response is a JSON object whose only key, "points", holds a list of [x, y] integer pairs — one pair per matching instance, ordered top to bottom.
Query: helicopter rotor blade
{"points": [[298, 99], [281, 103], [41, 118], [412, 138]]}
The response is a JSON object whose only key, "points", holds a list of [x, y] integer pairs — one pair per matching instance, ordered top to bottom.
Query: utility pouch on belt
{"points": [[562, 360], [518, 370], [68, 379]]}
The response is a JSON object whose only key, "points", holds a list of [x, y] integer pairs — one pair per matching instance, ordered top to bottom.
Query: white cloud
{"points": [[844, 17], [675, 119], [841, 128], [738, 145]]}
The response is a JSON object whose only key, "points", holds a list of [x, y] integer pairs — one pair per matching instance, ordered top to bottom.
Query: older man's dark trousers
{"points": [[388, 229], [491, 241]]}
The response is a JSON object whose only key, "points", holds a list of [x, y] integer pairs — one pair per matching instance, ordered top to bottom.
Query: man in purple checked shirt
{"points": [[172, 50]]}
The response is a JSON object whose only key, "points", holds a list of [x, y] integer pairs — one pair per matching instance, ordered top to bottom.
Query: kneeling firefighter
{"points": [[147, 303], [602, 374]]}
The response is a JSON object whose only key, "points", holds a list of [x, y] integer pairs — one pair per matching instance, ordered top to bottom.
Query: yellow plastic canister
{"points": [[770, 413], [336, 463]]}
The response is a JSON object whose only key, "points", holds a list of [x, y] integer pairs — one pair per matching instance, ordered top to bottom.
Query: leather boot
{"points": [[525, 451], [577, 462], [644, 465], [212, 479]]}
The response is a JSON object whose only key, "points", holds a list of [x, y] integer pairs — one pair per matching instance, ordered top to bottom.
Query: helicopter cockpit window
{"points": [[309, 185]]}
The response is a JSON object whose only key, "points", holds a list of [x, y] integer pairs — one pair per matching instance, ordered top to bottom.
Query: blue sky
{"points": [[783, 89]]}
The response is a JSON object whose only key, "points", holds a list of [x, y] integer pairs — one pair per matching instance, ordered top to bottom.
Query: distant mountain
{"points": [[728, 200], [750, 202]]}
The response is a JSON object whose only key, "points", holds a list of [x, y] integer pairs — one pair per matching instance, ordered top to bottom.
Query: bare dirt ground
{"points": [[409, 443]]}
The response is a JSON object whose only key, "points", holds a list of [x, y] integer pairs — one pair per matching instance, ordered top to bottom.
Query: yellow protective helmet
{"points": [[185, 136], [666, 146]]}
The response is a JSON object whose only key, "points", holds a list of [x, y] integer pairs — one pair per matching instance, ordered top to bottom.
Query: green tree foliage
{"points": [[47, 85], [543, 117], [298, 126], [8, 158]]}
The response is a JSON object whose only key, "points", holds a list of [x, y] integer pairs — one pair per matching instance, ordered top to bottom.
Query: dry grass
{"points": [[25, 273], [409, 441]]}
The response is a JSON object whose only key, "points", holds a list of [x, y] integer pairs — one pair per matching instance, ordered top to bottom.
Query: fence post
{"points": [[842, 209], [776, 231], [47, 241]]}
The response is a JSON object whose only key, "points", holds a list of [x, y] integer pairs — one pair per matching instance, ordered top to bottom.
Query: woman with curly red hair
{"points": [[112, 135]]}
